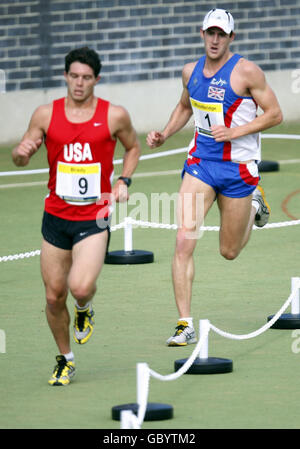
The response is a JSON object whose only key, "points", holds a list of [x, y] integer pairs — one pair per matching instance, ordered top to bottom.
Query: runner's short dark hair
{"points": [[85, 55]]}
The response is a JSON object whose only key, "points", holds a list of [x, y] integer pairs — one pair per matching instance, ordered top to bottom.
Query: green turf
{"points": [[135, 314]]}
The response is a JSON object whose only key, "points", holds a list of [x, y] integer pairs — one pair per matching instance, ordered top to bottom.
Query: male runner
{"points": [[222, 90], [80, 133]]}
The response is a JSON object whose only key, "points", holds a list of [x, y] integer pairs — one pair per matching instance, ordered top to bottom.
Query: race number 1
{"points": [[206, 115]]}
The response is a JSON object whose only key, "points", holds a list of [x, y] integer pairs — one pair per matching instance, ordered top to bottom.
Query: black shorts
{"points": [[66, 233]]}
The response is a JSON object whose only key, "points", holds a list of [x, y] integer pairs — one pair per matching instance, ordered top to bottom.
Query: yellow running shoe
{"points": [[83, 325], [63, 372]]}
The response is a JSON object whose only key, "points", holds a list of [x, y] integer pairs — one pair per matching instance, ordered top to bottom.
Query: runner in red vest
{"points": [[80, 132]]}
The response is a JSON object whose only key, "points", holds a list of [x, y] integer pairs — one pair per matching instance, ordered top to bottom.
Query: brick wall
{"points": [[136, 39]]}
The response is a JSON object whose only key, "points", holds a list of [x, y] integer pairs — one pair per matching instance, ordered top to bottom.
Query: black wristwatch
{"points": [[126, 180]]}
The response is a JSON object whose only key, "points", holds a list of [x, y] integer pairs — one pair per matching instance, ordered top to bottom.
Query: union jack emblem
{"points": [[216, 92]]}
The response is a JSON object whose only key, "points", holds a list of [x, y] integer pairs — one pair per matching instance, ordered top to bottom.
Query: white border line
{"points": [[289, 161], [23, 184]]}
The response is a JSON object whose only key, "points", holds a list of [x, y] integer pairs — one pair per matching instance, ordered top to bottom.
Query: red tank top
{"points": [[80, 157]]}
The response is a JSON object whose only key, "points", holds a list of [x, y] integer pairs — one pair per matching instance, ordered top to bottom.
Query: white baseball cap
{"points": [[219, 18]]}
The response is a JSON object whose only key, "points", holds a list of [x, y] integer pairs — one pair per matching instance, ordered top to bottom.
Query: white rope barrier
{"points": [[129, 222], [148, 224], [37, 252], [20, 256], [292, 296], [185, 367], [143, 379], [128, 419], [131, 421]]}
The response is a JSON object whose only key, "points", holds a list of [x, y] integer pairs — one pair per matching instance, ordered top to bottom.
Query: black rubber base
{"points": [[266, 166], [129, 257], [286, 321], [211, 365], [154, 411]]}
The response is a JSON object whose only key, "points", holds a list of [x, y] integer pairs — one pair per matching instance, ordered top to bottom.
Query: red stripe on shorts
{"points": [[246, 175]]}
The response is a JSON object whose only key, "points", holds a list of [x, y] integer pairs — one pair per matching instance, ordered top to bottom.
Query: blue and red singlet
{"points": [[215, 103]]}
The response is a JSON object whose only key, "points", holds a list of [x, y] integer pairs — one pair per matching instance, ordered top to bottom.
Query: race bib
{"points": [[206, 115], [78, 184]]}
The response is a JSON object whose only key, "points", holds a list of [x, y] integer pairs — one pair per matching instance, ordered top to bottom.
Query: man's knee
{"points": [[184, 245], [229, 253], [82, 292], [56, 299]]}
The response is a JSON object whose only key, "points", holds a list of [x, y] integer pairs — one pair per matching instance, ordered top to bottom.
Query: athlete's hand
{"points": [[221, 133], [155, 139], [28, 147], [25, 150], [120, 192]]}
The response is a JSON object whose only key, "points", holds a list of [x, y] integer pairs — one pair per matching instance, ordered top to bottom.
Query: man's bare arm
{"points": [[180, 115], [123, 130], [33, 138]]}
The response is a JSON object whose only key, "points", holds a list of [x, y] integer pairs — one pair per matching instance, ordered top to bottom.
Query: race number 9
{"points": [[78, 182], [83, 186]]}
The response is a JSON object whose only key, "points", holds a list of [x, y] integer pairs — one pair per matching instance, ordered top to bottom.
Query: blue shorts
{"points": [[228, 178]]}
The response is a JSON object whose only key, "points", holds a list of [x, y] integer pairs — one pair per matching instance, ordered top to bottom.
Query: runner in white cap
{"points": [[219, 18], [223, 91]]}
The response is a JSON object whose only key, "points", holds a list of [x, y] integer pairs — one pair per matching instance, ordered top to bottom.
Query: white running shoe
{"points": [[263, 213], [184, 335]]}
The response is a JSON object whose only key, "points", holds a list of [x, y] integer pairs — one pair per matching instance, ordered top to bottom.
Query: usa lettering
{"points": [[77, 152]]}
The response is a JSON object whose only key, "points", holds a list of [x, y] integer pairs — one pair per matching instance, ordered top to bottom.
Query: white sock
{"points": [[255, 204], [87, 305], [189, 320], [69, 357]]}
